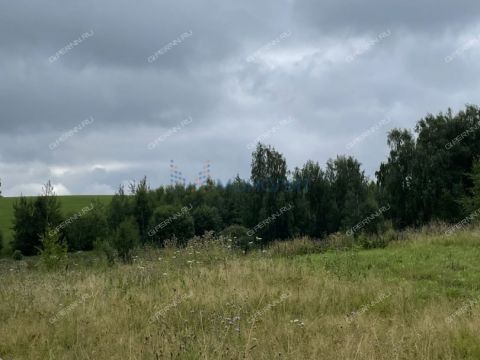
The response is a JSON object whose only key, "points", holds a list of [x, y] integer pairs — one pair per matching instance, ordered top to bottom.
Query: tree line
{"points": [[431, 174]]}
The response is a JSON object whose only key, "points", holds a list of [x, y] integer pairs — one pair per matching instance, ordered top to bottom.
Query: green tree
{"points": [[447, 145], [269, 169], [424, 177], [269, 178], [396, 179], [349, 192], [310, 193], [236, 202], [471, 202], [142, 207], [119, 209], [47, 210], [32, 218], [206, 218], [171, 221], [90, 227], [25, 238], [126, 238], [53, 251]]}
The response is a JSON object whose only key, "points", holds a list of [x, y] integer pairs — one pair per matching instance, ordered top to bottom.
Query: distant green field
{"points": [[70, 204]]}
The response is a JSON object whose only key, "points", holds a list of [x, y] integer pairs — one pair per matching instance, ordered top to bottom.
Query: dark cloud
{"points": [[375, 15], [244, 68]]}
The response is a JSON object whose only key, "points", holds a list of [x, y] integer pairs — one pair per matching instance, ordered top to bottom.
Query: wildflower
{"points": [[297, 322]]}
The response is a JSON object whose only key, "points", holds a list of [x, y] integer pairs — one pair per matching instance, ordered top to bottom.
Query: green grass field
{"points": [[70, 204], [415, 299]]}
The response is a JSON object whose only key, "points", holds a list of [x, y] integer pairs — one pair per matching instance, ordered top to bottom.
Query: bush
{"points": [[119, 209], [206, 218], [169, 222], [86, 229], [238, 235], [389, 236], [126, 239], [1, 241], [339, 241], [371, 241], [300, 246], [107, 249], [53, 252], [17, 255]]}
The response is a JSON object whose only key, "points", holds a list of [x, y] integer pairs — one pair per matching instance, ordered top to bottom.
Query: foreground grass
{"points": [[207, 302]]}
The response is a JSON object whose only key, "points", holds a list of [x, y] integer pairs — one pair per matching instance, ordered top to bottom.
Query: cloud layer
{"points": [[311, 78]]}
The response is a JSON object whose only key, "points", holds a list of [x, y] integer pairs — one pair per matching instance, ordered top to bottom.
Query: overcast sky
{"points": [[97, 93]]}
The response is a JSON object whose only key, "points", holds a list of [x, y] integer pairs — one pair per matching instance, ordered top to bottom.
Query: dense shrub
{"points": [[471, 202], [119, 209], [206, 218], [170, 221], [87, 228], [238, 235], [379, 238], [126, 239], [1, 240], [371, 241], [300, 246], [105, 247], [17, 255]]}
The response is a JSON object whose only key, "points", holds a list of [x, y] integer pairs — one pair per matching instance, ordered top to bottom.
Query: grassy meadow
{"points": [[70, 204], [415, 299]]}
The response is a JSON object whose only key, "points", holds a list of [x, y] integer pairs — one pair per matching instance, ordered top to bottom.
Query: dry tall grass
{"points": [[208, 302]]}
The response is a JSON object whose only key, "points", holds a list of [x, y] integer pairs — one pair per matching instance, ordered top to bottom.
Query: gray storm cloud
{"points": [[335, 74]]}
